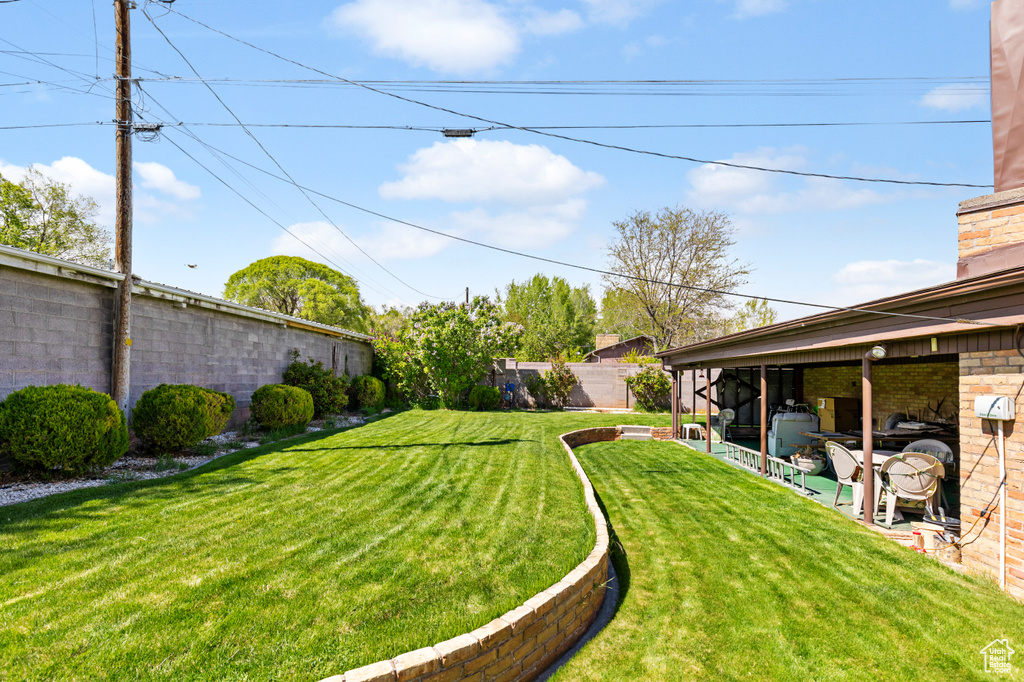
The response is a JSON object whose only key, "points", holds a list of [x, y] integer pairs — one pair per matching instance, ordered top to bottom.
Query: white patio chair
{"points": [[941, 452], [848, 472], [911, 476]]}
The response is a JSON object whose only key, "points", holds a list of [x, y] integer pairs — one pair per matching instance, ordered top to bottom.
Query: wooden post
{"points": [[121, 362], [707, 401], [764, 419], [868, 427]]}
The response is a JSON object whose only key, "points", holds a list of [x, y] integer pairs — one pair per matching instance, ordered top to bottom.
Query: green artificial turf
{"points": [[299, 559], [728, 577]]}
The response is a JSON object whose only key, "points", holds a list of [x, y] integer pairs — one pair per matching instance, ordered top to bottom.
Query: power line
{"points": [[576, 139], [274, 160], [609, 273], [364, 281]]}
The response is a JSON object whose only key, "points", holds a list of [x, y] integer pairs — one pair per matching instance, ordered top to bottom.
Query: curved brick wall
{"points": [[522, 643]]}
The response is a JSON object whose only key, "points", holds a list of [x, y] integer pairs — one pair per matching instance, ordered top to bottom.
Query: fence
{"points": [[56, 326], [601, 385]]}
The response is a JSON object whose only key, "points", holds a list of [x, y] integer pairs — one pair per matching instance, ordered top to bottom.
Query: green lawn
{"points": [[295, 560], [729, 577]]}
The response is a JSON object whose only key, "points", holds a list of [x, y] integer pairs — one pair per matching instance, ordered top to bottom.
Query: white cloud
{"points": [[967, 4], [757, 8], [617, 11], [543, 23], [452, 36], [956, 97], [490, 171], [161, 178], [83, 179], [101, 187], [537, 192], [757, 192], [538, 228], [388, 242], [868, 280]]}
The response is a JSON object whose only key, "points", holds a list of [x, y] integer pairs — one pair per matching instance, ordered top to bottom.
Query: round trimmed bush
{"points": [[368, 391], [329, 392], [484, 398], [275, 406], [173, 417], [70, 427]]}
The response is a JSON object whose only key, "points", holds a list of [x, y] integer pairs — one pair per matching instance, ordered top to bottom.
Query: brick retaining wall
{"points": [[524, 642]]}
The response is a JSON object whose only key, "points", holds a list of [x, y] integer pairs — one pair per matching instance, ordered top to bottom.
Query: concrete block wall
{"points": [[56, 326], [53, 331], [228, 353], [992, 373], [600, 384], [895, 388], [524, 642]]}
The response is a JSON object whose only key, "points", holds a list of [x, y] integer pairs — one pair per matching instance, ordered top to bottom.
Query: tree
{"points": [[43, 215], [682, 261], [302, 288], [622, 314], [753, 314], [557, 319], [390, 321], [456, 344]]}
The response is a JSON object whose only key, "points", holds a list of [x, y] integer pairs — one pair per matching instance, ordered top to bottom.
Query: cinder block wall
{"points": [[58, 329], [53, 331], [992, 373], [600, 384], [895, 388]]}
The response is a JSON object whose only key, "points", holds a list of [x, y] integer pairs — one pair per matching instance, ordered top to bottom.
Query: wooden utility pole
{"points": [[121, 363]]}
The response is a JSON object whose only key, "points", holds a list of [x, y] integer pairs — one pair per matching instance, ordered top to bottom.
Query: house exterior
{"points": [[943, 347], [610, 349]]}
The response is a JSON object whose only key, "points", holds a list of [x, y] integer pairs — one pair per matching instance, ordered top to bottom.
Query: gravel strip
{"points": [[132, 468]]}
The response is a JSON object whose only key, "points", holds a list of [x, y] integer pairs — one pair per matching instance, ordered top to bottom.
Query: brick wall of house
{"points": [[991, 233], [992, 373], [895, 388]]}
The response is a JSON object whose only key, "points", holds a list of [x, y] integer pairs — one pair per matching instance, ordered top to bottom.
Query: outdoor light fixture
{"points": [[876, 353]]}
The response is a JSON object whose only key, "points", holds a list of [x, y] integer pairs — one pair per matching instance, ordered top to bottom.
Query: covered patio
{"points": [[917, 359]]}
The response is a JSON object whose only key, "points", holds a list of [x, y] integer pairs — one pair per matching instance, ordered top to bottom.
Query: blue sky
{"points": [[748, 62]]}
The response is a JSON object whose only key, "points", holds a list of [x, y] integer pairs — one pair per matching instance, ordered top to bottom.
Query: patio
{"points": [[822, 487]]}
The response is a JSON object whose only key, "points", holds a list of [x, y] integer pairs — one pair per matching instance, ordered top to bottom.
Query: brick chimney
{"points": [[991, 233], [607, 340]]}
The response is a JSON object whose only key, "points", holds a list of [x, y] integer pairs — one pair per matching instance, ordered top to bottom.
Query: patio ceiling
{"points": [[983, 313]]}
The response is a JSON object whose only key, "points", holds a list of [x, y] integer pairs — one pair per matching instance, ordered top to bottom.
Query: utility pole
{"points": [[467, 297], [121, 362]]}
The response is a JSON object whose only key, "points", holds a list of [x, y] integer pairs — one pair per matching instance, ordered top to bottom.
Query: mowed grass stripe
{"points": [[296, 560], [733, 577]]}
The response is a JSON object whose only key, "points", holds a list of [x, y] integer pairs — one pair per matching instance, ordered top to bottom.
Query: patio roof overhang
{"points": [[977, 314]]}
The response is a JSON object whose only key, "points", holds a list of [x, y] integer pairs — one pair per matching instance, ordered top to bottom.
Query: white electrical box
{"points": [[993, 407]]}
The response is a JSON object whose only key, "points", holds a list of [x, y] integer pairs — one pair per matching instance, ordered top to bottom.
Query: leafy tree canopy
{"points": [[43, 215], [674, 268], [299, 287], [558, 319]]}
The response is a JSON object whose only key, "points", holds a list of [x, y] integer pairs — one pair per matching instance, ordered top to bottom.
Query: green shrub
{"points": [[554, 386], [651, 387], [328, 391], [368, 392], [484, 398], [275, 406], [173, 417], [70, 427]]}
